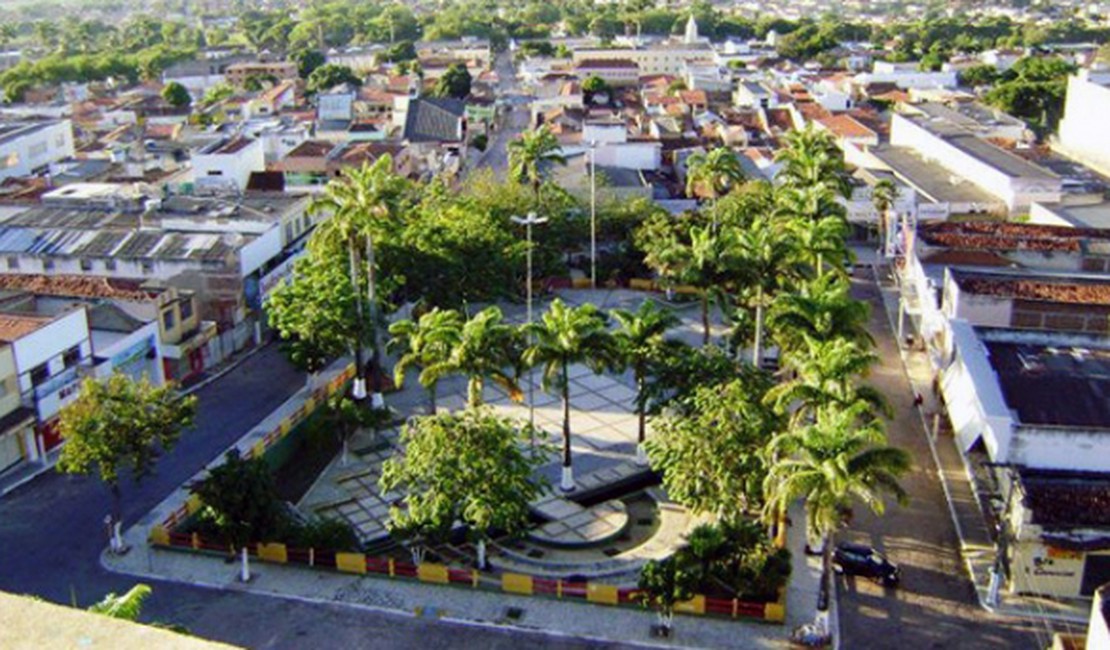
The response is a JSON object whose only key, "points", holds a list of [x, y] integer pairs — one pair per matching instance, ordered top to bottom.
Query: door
{"points": [[10, 451], [1096, 572]]}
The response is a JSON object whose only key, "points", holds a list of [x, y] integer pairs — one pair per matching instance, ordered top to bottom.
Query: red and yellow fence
{"points": [[441, 574]]}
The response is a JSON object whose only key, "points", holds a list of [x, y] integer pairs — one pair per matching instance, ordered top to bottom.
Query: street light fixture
{"points": [[531, 220]]}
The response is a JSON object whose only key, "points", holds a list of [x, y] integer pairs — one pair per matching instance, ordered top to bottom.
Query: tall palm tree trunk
{"points": [[352, 251], [474, 390], [432, 398], [641, 414], [567, 482], [825, 586]]}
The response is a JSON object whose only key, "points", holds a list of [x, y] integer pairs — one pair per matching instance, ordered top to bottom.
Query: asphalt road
{"points": [[51, 538], [935, 606]]}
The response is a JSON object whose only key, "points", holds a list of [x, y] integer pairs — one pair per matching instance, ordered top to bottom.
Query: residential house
{"points": [[31, 147], [227, 164]]}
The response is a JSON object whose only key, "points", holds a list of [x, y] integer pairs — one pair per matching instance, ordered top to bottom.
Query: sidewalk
{"points": [[25, 472], [976, 543]]}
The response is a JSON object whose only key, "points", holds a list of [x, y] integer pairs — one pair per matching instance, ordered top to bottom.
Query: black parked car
{"points": [[860, 560]]}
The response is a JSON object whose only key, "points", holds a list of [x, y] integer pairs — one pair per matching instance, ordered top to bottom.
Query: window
{"points": [[215, 172], [288, 232], [13, 262], [48, 265], [86, 265], [109, 265], [148, 267], [186, 307], [168, 320], [71, 357], [39, 374]]}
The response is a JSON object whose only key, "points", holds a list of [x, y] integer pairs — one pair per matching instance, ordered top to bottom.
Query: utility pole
{"points": [[593, 214], [528, 222], [376, 399]]}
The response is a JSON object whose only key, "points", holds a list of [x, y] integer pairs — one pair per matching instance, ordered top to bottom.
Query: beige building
{"points": [[17, 423]]}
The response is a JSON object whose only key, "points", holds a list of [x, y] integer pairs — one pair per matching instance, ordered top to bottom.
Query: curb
{"points": [[235, 363], [42, 469], [558, 634]]}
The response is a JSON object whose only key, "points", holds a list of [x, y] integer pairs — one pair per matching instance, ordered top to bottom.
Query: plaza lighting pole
{"points": [[593, 214], [528, 222]]}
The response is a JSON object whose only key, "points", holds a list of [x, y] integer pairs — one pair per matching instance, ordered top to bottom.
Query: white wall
{"points": [[1085, 128], [603, 133], [21, 155], [631, 155], [229, 170], [256, 253], [47, 345], [129, 354], [1098, 633]]}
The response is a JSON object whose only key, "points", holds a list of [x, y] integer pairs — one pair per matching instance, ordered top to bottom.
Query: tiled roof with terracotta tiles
{"points": [[656, 81], [376, 95], [894, 96], [694, 97], [661, 100], [813, 111], [781, 118], [846, 126], [311, 149], [992, 235], [956, 257], [76, 285], [1038, 289], [15, 326]]}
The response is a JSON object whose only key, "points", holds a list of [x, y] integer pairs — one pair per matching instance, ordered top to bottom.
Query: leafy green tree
{"points": [[308, 60], [329, 76], [455, 82], [593, 85], [176, 94], [217, 94], [530, 154], [713, 174], [883, 194], [563, 337], [423, 344], [642, 347], [481, 350], [121, 425], [839, 459], [471, 467], [722, 473], [241, 500], [662, 585]]}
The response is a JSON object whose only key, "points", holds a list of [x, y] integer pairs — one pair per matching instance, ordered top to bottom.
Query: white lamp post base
{"points": [[358, 390], [567, 484]]}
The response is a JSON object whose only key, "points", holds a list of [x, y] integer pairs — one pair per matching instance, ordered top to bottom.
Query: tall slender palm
{"points": [[530, 153], [811, 159], [713, 173], [882, 197], [360, 207], [818, 242], [764, 254], [708, 257], [821, 309], [566, 336], [640, 342], [422, 344], [482, 351], [827, 376], [839, 459]]}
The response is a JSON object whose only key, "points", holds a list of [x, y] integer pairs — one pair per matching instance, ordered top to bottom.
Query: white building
{"points": [[662, 58], [907, 76], [1084, 132], [30, 147], [227, 165], [1011, 179]]}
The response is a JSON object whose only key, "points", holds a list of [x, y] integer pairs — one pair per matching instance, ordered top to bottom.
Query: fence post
{"points": [[196, 541], [312, 556], [391, 573], [474, 577], [559, 588], [735, 607]]}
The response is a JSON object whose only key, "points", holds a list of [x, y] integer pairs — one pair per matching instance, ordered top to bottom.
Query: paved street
{"points": [[51, 539], [935, 606]]}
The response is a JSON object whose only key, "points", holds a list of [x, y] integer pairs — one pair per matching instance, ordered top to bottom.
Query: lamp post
{"points": [[593, 214], [528, 222]]}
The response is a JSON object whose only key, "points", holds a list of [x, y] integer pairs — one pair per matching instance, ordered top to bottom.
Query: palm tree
{"points": [[530, 153], [811, 159], [714, 173], [882, 197], [361, 206], [820, 241], [764, 254], [709, 255], [822, 309], [565, 336], [424, 343], [641, 344], [481, 351], [827, 374], [837, 460], [126, 606]]}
